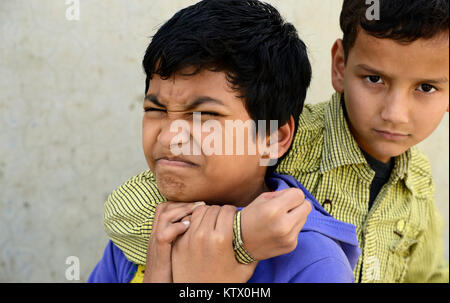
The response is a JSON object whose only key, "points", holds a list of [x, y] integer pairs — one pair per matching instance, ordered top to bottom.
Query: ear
{"points": [[338, 66], [280, 141]]}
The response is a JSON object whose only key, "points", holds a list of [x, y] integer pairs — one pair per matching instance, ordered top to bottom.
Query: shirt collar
{"points": [[339, 148], [401, 167]]}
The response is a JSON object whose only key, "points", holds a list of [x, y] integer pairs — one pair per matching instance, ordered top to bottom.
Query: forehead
{"points": [[419, 59], [182, 88]]}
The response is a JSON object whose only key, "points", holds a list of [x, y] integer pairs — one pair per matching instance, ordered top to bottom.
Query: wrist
{"points": [[241, 254]]}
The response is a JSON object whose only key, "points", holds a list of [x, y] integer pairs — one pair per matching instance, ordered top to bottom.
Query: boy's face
{"points": [[395, 94], [217, 178]]}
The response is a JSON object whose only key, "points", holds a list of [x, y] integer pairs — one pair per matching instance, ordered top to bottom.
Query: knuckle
{"points": [[297, 193], [215, 208], [229, 208], [200, 209], [270, 213], [163, 217], [282, 229], [200, 236], [161, 237], [219, 239]]}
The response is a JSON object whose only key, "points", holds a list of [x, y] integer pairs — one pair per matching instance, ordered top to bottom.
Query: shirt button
{"points": [[330, 208], [400, 225]]}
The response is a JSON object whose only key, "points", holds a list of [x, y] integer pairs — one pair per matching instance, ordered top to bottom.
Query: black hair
{"points": [[402, 20], [265, 61]]}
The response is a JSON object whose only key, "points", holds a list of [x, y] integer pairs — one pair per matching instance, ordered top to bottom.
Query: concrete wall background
{"points": [[70, 117]]}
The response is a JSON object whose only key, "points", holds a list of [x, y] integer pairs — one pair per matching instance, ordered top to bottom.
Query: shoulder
{"points": [[312, 116], [310, 123], [306, 150], [419, 164], [420, 178], [315, 246], [322, 258]]}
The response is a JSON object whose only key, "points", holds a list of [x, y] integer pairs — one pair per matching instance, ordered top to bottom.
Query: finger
{"points": [[288, 199], [173, 205], [159, 209], [175, 213], [300, 214], [196, 217], [187, 218], [209, 219], [225, 220], [169, 234]]}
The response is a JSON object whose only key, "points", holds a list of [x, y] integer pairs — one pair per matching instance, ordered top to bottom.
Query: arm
{"points": [[128, 215], [269, 225]]}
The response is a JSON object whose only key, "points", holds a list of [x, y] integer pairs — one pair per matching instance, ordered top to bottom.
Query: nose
{"points": [[396, 108], [174, 133]]}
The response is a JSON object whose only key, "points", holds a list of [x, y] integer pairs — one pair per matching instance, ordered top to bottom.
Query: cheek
{"points": [[360, 104], [426, 120], [149, 138], [229, 167]]}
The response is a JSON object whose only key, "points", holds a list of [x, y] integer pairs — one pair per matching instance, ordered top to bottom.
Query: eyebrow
{"points": [[371, 70], [430, 81], [197, 102]]}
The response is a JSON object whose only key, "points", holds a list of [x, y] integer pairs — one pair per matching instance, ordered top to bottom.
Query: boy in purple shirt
{"points": [[215, 62]]}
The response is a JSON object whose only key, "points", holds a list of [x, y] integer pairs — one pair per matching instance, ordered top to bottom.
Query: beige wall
{"points": [[70, 96]]}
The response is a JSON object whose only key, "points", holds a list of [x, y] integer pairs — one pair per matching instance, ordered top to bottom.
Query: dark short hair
{"points": [[401, 20], [265, 61]]}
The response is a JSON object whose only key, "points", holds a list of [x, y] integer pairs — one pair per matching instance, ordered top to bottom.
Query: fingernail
{"points": [[199, 203], [187, 223]]}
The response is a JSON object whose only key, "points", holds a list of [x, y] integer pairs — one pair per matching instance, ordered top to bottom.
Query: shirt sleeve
{"points": [[128, 215], [326, 270]]}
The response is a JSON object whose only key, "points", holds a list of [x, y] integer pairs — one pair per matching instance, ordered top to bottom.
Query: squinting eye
{"points": [[374, 79], [427, 88], [152, 109], [210, 114]]}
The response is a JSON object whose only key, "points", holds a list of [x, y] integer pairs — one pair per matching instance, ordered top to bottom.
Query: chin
{"points": [[391, 152], [171, 187]]}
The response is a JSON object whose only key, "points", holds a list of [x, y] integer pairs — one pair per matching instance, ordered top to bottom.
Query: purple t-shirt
{"points": [[327, 251]]}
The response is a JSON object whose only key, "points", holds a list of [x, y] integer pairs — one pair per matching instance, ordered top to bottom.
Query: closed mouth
{"points": [[391, 135], [175, 161]]}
